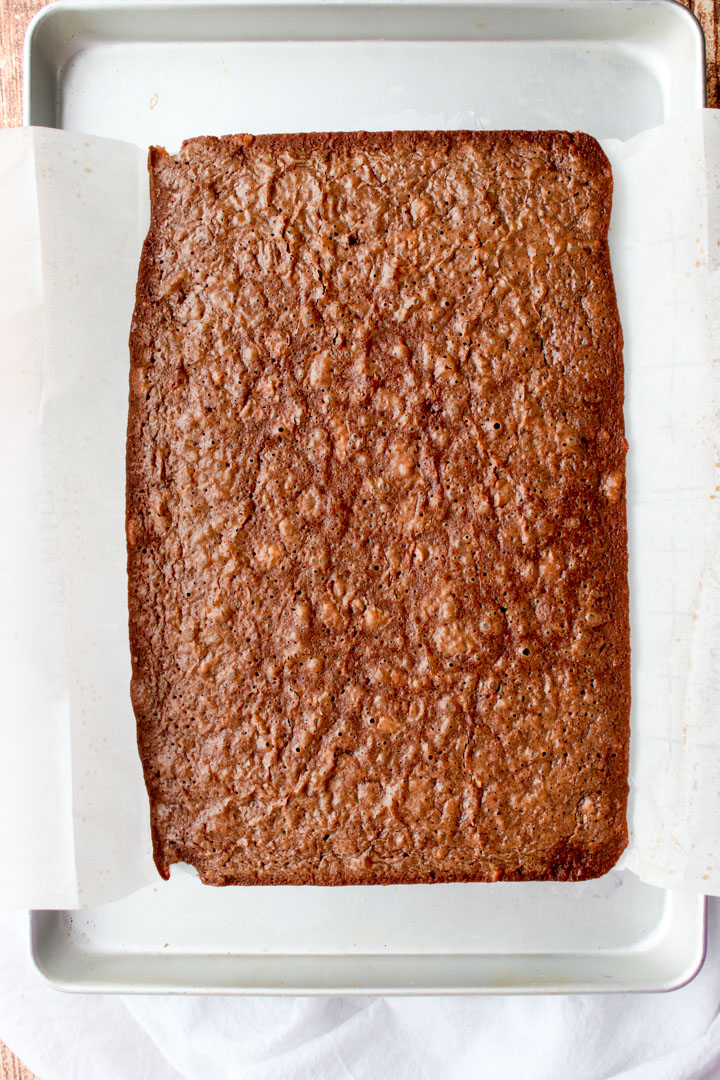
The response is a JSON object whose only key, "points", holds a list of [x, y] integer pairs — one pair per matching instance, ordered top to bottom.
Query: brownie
{"points": [[377, 545]]}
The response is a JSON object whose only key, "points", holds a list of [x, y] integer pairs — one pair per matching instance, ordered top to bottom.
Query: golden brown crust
{"points": [[375, 510]]}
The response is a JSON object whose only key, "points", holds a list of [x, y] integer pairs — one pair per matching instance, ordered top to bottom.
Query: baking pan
{"points": [[158, 71]]}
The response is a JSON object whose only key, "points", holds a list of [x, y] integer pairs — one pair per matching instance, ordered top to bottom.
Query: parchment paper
{"points": [[73, 213], [73, 807]]}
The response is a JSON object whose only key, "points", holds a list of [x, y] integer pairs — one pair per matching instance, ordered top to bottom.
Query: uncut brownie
{"points": [[376, 529]]}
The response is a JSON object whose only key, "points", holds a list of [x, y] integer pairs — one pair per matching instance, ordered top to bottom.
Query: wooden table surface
{"points": [[14, 17]]}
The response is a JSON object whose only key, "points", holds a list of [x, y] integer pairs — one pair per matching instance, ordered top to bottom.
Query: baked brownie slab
{"points": [[375, 510]]}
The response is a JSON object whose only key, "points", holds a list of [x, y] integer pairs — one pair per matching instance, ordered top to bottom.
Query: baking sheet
{"points": [[87, 63], [179, 937]]}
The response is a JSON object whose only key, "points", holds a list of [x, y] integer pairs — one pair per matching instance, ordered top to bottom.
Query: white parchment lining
{"points": [[73, 214]]}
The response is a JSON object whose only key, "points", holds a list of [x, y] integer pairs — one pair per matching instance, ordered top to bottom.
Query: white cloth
{"points": [[673, 1036]]}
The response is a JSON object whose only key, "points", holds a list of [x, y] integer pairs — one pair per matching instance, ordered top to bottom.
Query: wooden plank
{"points": [[708, 12], [14, 18], [11, 1068]]}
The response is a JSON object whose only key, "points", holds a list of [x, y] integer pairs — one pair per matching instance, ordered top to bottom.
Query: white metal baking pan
{"points": [[162, 70]]}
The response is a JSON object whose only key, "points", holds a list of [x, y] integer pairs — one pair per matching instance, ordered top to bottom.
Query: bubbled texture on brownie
{"points": [[376, 513]]}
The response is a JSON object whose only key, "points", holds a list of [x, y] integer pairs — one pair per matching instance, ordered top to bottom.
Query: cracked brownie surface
{"points": [[377, 548]]}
